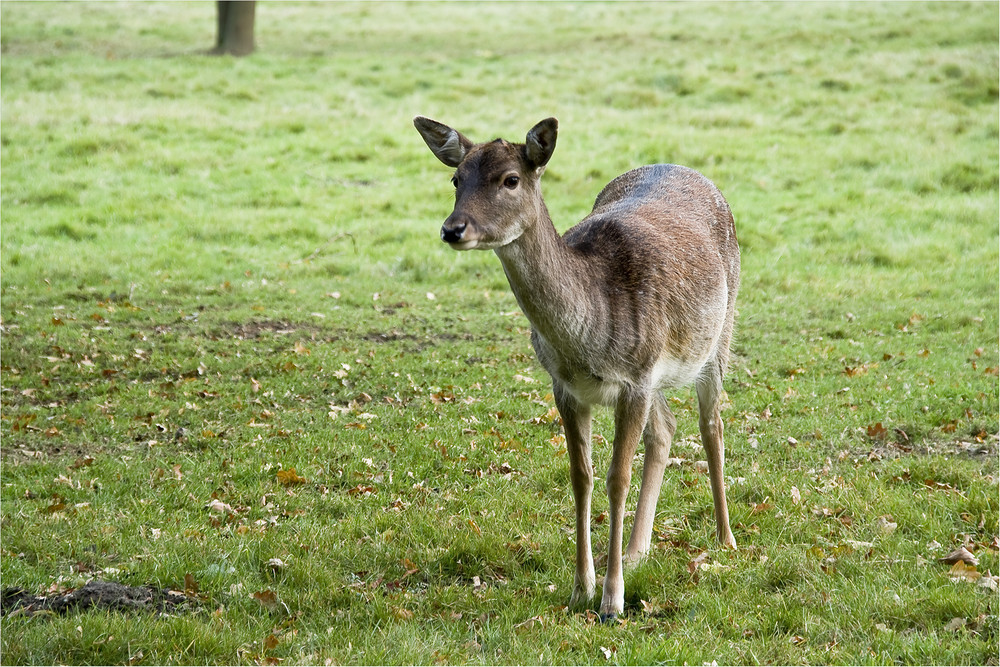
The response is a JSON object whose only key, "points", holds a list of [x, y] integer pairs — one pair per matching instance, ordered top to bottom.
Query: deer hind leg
{"points": [[709, 388], [631, 413], [576, 423], [659, 433]]}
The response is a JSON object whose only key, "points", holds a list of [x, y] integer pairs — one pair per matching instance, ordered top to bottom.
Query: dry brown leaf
{"points": [[877, 431], [82, 462], [289, 477], [216, 505], [960, 554], [693, 565], [409, 566], [962, 572], [990, 582], [267, 599], [525, 626]]}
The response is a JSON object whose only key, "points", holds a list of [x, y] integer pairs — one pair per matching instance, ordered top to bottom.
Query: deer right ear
{"points": [[449, 145]]}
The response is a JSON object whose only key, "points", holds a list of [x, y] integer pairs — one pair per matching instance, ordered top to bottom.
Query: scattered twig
{"points": [[315, 253]]}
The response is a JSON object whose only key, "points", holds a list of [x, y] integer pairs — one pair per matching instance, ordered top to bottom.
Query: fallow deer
{"points": [[637, 298]]}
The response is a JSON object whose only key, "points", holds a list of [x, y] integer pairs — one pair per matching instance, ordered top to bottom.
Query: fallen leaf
{"points": [[877, 431], [82, 462], [289, 477], [796, 496], [216, 505], [57, 506], [886, 524], [474, 527], [960, 554], [693, 565], [409, 566], [962, 572], [990, 582], [190, 585], [267, 599], [955, 624], [525, 626], [271, 642]]}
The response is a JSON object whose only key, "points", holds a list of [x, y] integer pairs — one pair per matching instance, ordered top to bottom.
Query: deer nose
{"points": [[453, 229]]}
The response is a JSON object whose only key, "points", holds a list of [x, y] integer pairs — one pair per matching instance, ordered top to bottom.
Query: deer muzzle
{"points": [[457, 231]]}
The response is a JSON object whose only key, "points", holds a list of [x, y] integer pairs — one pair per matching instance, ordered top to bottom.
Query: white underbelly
{"points": [[668, 372], [671, 372], [590, 390]]}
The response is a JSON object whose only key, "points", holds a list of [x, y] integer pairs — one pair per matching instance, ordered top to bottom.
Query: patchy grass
{"points": [[237, 363]]}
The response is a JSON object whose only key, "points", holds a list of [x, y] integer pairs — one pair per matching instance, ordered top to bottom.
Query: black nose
{"points": [[452, 230]]}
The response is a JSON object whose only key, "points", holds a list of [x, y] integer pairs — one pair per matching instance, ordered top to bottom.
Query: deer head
{"points": [[497, 194]]}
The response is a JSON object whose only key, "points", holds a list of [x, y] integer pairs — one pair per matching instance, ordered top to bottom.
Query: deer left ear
{"points": [[541, 141]]}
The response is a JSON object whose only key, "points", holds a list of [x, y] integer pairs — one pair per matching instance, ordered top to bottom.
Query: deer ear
{"points": [[541, 141], [447, 144]]}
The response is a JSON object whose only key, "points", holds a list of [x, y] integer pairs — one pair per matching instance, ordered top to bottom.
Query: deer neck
{"points": [[550, 283]]}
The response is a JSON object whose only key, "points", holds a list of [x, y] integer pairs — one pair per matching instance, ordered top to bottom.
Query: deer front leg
{"points": [[630, 419], [576, 423], [710, 425], [659, 433]]}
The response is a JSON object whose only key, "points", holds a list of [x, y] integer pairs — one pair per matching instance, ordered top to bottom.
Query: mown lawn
{"points": [[238, 363]]}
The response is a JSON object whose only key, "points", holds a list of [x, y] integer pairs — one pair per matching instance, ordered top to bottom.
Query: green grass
{"points": [[217, 270]]}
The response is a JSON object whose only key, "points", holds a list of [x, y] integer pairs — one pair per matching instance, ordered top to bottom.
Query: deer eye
{"points": [[454, 181], [511, 182]]}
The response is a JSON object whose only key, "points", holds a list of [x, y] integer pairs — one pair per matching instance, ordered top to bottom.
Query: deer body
{"points": [[636, 298]]}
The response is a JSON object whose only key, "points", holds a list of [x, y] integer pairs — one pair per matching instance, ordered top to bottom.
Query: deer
{"points": [[637, 298]]}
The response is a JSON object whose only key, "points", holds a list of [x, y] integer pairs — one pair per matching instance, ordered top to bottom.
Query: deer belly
{"points": [[672, 372], [592, 390]]}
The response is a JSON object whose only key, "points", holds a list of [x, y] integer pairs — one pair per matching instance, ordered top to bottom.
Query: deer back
{"points": [[661, 244]]}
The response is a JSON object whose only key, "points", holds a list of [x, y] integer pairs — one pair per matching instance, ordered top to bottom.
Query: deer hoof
{"points": [[580, 599], [610, 617]]}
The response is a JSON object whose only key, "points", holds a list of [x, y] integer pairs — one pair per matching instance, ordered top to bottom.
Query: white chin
{"points": [[465, 245]]}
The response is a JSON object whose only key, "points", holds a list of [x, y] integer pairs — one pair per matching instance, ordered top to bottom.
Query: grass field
{"points": [[238, 363]]}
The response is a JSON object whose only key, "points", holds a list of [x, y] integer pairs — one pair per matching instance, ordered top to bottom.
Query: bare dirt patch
{"points": [[108, 595]]}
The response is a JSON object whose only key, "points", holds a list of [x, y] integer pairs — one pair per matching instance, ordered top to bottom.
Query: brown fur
{"points": [[637, 297]]}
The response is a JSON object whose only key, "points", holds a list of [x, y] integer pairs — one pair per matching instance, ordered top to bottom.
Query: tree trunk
{"points": [[235, 32]]}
